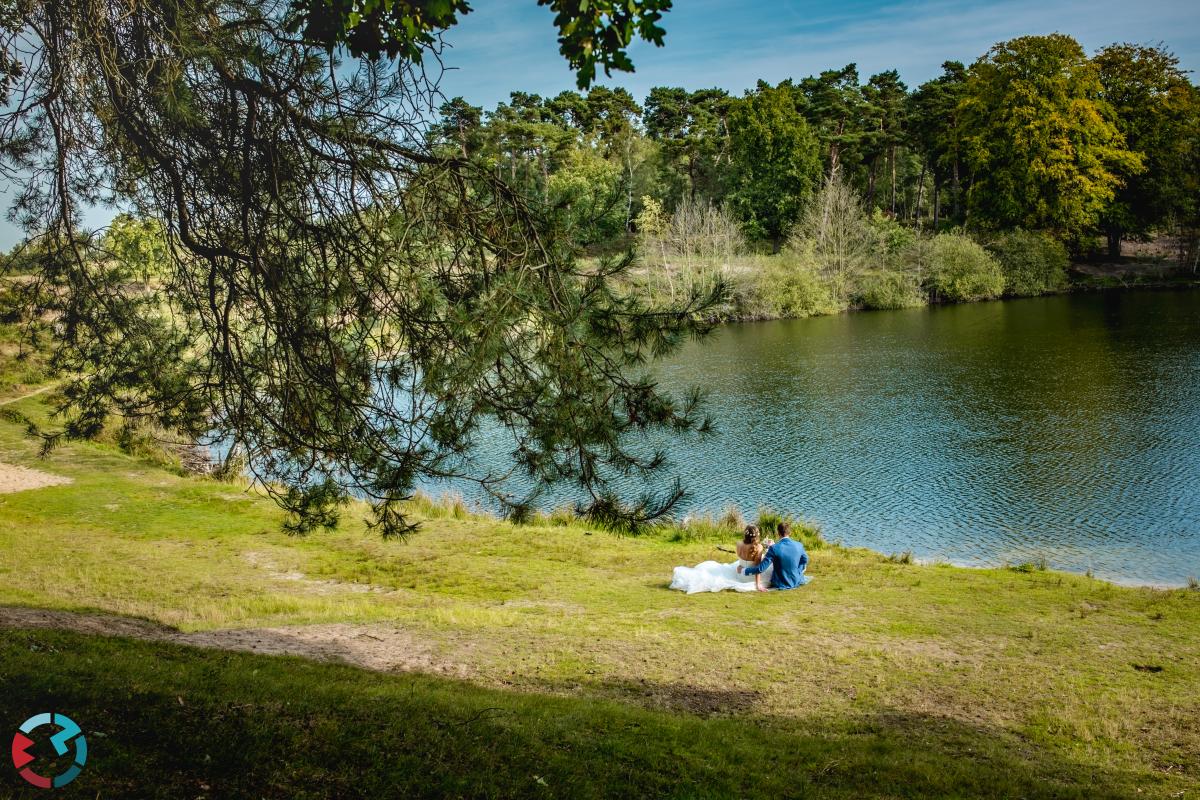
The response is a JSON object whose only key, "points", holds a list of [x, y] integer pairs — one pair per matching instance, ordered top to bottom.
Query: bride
{"points": [[711, 576]]}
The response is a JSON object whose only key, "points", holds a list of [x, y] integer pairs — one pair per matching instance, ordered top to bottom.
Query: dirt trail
{"points": [[27, 395], [15, 478], [376, 647]]}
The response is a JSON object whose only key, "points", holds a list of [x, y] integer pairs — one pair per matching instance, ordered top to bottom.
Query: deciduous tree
{"points": [[1157, 114], [1043, 145], [775, 161]]}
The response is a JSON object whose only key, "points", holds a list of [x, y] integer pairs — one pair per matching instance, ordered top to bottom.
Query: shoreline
{"points": [[1090, 284], [682, 532], [1103, 578]]}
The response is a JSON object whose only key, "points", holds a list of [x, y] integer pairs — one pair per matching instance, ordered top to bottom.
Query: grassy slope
{"points": [[582, 669]]}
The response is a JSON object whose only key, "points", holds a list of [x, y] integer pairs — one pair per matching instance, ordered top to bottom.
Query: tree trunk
{"points": [[834, 149], [892, 158], [871, 185], [957, 186], [920, 192], [937, 207], [1114, 242]]}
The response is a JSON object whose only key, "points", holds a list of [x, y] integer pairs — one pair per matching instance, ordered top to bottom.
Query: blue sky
{"points": [[510, 44]]}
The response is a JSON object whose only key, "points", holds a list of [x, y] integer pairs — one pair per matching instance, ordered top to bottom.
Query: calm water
{"points": [[1064, 428]]}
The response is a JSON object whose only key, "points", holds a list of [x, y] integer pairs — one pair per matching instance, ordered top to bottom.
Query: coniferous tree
{"points": [[346, 303]]}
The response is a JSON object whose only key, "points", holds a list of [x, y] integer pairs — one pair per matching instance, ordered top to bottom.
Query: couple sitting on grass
{"points": [[761, 566]]}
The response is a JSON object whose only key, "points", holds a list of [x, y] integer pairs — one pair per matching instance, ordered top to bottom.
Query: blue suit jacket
{"points": [[789, 559]]}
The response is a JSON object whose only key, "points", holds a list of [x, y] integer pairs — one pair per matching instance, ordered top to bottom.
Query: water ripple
{"points": [[1063, 429]]}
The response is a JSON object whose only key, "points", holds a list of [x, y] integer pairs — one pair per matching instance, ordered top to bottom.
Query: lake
{"points": [[1061, 428]]}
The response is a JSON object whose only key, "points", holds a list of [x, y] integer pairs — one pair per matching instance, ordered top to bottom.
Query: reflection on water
{"points": [[1063, 428]]}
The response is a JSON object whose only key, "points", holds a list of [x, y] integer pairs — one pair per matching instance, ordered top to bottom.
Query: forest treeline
{"points": [[1035, 147], [833, 191]]}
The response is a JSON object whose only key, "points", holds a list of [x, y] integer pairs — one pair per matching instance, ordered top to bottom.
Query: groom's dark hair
{"points": [[784, 529]]}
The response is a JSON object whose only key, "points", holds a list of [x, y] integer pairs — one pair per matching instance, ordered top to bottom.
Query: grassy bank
{"points": [[494, 660]]}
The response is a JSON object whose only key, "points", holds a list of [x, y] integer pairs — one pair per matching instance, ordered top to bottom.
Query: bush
{"points": [[695, 232], [837, 237], [892, 237], [1033, 263], [960, 270], [787, 286], [886, 290]]}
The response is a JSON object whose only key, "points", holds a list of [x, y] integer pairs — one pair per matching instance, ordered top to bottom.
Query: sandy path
{"points": [[26, 396], [14, 478], [376, 647]]}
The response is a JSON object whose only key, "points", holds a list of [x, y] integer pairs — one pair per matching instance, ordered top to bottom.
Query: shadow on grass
{"points": [[168, 720]]}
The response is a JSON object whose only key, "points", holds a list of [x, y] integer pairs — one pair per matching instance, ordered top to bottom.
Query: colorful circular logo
{"points": [[69, 736]]}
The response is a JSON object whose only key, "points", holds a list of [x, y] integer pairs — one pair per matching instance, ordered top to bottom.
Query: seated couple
{"points": [[760, 566]]}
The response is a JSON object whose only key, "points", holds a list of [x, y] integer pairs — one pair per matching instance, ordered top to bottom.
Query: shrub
{"points": [[696, 231], [836, 235], [892, 237], [1033, 263], [960, 270], [786, 286], [888, 289]]}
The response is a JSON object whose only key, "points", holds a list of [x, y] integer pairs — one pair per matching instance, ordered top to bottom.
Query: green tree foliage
{"points": [[591, 32], [834, 108], [1157, 113], [885, 115], [459, 127], [691, 130], [936, 131], [1042, 144], [775, 164], [588, 189], [136, 246], [1033, 262], [960, 270], [344, 301]]}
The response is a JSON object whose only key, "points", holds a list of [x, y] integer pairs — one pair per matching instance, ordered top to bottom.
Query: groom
{"points": [[789, 559]]}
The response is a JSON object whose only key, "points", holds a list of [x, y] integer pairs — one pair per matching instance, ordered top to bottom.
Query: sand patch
{"points": [[14, 478], [313, 585], [377, 647]]}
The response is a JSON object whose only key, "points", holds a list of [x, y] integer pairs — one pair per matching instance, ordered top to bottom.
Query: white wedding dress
{"points": [[713, 576]]}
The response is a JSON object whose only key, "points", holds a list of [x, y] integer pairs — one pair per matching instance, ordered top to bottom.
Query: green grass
{"points": [[21, 366], [576, 667]]}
